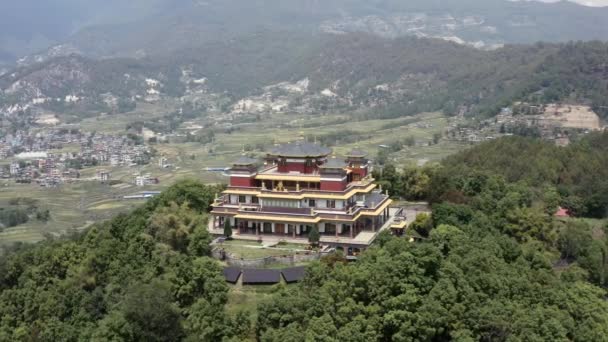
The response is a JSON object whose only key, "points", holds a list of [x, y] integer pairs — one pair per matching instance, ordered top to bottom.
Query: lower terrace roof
{"points": [[295, 177], [302, 194], [300, 217], [278, 218], [399, 225]]}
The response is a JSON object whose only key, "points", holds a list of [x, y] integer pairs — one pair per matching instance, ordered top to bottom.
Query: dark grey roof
{"points": [[300, 149], [357, 153], [243, 160], [334, 163], [373, 199], [232, 274], [293, 274], [261, 276]]}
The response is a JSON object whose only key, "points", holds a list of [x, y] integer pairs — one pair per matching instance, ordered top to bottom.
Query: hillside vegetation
{"points": [[171, 26], [364, 74], [577, 174], [491, 263], [494, 265]]}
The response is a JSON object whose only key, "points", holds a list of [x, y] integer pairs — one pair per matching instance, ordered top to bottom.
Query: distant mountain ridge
{"points": [[147, 28], [350, 73]]}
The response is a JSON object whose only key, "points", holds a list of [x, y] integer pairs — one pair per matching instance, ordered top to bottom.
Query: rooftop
{"points": [[300, 149], [356, 153], [245, 161], [334, 163], [373, 199]]}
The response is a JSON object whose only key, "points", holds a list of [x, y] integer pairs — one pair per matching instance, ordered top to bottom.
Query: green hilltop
{"points": [[491, 262]]}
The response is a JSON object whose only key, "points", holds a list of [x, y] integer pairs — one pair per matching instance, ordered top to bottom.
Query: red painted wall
{"points": [[291, 167], [297, 167], [361, 172], [242, 182], [333, 186]]}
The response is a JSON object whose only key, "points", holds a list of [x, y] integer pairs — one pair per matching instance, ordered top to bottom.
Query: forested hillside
{"points": [[344, 73], [577, 173], [491, 263], [144, 276]]}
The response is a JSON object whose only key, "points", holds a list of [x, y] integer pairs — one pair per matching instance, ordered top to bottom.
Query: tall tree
{"points": [[227, 229], [313, 236]]}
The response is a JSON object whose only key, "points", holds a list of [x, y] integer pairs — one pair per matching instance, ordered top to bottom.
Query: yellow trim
{"points": [[315, 179], [241, 192], [281, 196], [318, 196], [216, 211], [375, 213], [285, 218], [278, 219], [400, 225]]}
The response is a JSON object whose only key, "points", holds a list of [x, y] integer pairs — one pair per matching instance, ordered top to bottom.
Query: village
{"points": [[553, 122], [56, 156]]}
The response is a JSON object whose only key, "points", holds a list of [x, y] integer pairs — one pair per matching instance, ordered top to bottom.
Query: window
{"points": [[242, 199], [255, 200], [311, 203], [331, 204], [346, 228], [267, 229]]}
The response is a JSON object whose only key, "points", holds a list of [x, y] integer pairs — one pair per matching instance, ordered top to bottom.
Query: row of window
{"points": [[331, 204]]}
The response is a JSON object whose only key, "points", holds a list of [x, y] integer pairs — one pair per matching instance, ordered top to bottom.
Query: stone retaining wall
{"points": [[290, 260]]}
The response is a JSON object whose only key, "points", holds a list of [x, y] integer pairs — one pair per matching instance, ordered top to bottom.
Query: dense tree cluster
{"points": [[575, 177], [411, 183], [19, 211], [10, 217], [490, 263], [145, 276], [461, 284]]}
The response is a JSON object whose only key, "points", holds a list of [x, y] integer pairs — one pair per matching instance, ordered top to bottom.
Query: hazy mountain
{"points": [[486, 24], [28, 26], [143, 28], [318, 73]]}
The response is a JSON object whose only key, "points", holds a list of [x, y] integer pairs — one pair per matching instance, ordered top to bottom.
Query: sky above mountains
{"points": [[590, 3], [594, 3]]}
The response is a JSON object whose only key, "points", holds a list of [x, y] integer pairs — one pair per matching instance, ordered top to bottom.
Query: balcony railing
{"points": [[350, 210]]}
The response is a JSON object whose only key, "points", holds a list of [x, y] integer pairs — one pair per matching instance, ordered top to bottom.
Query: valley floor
{"points": [[75, 206]]}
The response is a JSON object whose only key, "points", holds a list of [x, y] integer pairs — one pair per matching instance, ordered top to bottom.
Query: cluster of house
{"points": [[553, 122], [12, 144], [95, 148], [114, 150], [32, 161], [45, 169]]}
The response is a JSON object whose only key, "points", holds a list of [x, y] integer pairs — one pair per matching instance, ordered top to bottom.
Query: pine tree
{"points": [[227, 229], [314, 236]]}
